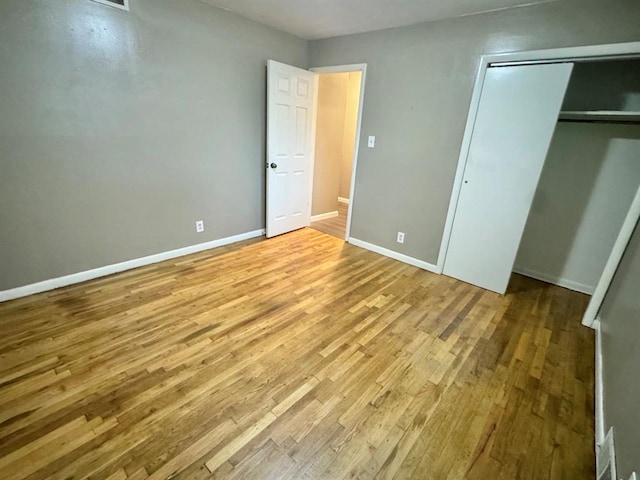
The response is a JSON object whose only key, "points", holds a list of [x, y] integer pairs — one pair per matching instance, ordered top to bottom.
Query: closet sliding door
{"points": [[517, 114]]}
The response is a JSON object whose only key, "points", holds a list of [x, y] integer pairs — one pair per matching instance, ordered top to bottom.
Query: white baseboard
{"points": [[343, 200], [324, 216], [395, 255], [80, 277], [561, 282], [600, 429]]}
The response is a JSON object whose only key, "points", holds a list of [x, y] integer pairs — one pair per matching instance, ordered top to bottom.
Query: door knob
{"points": [[273, 165]]}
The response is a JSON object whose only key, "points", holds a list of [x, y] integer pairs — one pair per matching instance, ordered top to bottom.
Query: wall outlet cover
{"points": [[199, 226], [400, 237]]}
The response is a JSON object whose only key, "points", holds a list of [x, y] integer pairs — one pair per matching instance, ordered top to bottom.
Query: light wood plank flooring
{"points": [[335, 226], [299, 357]]}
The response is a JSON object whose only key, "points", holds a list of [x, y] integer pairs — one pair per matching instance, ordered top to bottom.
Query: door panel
{"points": [[302, 114], [517, 115], [290, 137]]}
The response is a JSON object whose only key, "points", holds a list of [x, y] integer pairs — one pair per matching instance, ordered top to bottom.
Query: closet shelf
{"points": [[614, 116]]}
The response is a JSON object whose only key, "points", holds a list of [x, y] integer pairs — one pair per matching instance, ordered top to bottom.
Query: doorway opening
{"points": [[337, 137]]}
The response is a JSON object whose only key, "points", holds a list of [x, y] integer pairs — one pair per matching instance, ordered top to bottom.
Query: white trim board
{"points": [[352, 67], [355, 67], [314, 134], [343, 200], [324, 216], [395, 255], [610, 268], [80, 277], [561, 282], [599, 387], [606, 467]]}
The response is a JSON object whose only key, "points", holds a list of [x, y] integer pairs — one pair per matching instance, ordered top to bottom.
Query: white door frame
{"points": [[590, 52], [356, 67], [628, 226]]}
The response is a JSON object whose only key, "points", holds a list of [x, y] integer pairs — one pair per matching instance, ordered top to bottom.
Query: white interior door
{"points": [[291, 110], [517, 114]]}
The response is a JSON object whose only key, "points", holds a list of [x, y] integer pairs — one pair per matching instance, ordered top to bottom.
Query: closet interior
{"points": [[589, 178]]}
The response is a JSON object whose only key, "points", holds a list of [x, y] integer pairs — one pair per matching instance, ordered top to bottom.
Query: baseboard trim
{"points": [[343, 200], [324, 216], [395, 255], [80, 277], [561, 282], [599, 387]]}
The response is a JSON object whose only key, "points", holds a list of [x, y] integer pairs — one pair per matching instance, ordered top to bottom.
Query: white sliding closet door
{"points": [[516, 117]]}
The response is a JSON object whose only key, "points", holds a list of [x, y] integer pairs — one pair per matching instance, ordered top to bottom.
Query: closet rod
{"points": [[600, 116], [591, 120]]}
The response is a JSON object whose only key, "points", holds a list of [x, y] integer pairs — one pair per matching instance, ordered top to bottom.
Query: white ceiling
{"points": [[314, 19]]}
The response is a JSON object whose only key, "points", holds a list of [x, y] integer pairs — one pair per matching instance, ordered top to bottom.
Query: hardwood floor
{"points": [[335, 226], [297, 357]]}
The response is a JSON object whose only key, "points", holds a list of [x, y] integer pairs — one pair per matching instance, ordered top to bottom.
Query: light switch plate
{"points": [[372, 141]]}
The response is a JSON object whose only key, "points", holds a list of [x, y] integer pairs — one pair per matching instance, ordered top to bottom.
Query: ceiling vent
{"points": [[121, 4]]}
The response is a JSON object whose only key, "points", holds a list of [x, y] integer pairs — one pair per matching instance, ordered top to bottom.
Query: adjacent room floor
{"points": [[335, 226], [298, 357]]}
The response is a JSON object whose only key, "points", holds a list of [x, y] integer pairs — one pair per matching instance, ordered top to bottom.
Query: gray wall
{"points": [[419, 85], [120, 130], [588, 182], [620, 322]]}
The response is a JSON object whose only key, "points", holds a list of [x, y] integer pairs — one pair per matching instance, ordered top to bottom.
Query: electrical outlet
{"points": [[371, 143], [199, 226], [400, 238]]}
